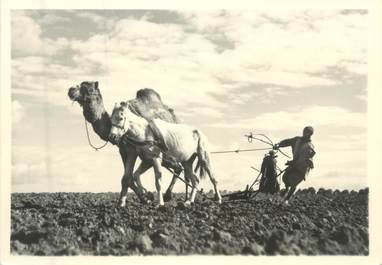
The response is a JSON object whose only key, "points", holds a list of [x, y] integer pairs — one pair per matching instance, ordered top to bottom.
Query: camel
{"points": [[148, 105], [152, 138]]}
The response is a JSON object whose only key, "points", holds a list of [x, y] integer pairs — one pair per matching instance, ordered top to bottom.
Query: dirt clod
{"points": [[325, 222]]}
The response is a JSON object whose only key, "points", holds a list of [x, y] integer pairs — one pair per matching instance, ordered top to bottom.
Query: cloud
{"points": [[51, 18], [101, 22], [26, 37], [289, 41], [144, 54], [183, 59], [179, 60], [199, 65], [362, 97], [17, 111], [201, 112], [313, 115], [58, 171], [23, 173]]}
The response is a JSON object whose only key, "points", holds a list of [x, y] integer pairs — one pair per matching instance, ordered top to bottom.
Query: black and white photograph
{"points": [[183, 132]]}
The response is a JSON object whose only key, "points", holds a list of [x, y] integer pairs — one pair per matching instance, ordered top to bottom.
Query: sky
{"points": [[226, 72]]}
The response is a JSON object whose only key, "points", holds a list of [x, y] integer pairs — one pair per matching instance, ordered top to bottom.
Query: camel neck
{"points": [[98, 117]]}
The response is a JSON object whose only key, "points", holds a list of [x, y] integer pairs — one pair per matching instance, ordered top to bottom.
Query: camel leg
{"points": [[142, 168], [177, 171], [158, 180], [168, 195]]}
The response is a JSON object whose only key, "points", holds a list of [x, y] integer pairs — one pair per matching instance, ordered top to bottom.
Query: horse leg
{"points": [[129, 159], [142, 168], [189, 174], [128, 178], [158, 180], [186, 183], [124, 184], [194, 188], [218, 197]]}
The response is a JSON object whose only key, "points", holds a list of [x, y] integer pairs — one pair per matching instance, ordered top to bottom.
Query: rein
{"points": [[251, 136], [131, 140], [90, 143], [241, 150]]}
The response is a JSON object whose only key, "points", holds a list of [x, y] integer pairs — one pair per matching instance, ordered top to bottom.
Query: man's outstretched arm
{"points": [[286, 142]]}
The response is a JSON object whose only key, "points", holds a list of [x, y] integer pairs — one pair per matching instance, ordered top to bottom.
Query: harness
{"points": [[158, 136], [158, 139]]}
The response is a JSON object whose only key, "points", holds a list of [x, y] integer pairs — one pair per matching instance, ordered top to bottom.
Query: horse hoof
{"points": [[150, 196], [217, 198], [146, 202], [187, 203], [160, 207]]}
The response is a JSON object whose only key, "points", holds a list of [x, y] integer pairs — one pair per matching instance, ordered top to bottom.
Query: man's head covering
{"points": [[308, 131], [272, 153]]}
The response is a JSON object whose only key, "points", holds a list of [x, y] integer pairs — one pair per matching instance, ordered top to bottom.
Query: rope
{"points": [[87, 133], [251, 137], [266, 137], [240, 150], [189, 185]]}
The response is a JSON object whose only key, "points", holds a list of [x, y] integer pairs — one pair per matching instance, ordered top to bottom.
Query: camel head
{"points": [[85, 93], [89, 97]]}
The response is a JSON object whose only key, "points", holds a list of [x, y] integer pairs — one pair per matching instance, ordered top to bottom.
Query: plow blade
{"points": [[240, 195]]}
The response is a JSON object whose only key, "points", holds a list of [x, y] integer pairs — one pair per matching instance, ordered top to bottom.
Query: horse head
{"points": [[118, 122]]}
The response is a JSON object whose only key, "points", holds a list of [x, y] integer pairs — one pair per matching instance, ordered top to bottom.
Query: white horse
{"points": [[182, 142]]}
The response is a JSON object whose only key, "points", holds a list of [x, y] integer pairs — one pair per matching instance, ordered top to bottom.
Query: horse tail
{"points": [[204, 161]]}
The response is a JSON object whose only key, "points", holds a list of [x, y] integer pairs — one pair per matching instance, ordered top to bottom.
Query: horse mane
{"points": [[148, 104]]}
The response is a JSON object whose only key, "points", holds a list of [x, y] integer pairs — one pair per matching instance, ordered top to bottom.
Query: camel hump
{"points": [[148, 95], [148, 104]]}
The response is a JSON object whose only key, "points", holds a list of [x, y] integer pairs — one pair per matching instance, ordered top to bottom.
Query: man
{"points": [[302, 162], [268, 181]]}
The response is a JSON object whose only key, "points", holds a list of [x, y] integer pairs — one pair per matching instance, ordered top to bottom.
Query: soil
{"points": [[325, 222]]}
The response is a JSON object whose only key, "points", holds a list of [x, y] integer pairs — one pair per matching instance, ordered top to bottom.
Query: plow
{"points": [[261, 180], [247, 194]]}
